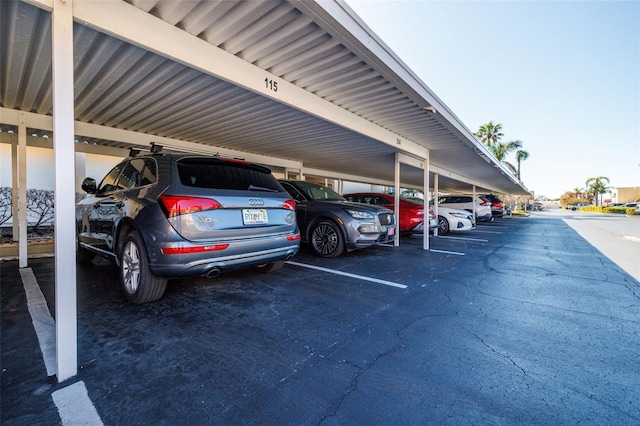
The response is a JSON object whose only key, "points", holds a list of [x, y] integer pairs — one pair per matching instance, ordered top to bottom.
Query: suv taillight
{"points": [[175, 205], [289, 205]]}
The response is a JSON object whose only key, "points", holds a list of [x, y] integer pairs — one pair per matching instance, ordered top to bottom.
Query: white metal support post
{"points": [[64, 167], [14, 185], [436, 189], [22, 191], [396, 195], [473, 202], [425, 234]]}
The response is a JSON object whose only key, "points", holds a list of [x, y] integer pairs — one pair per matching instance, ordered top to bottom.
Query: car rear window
{"points": [[213, 173]]}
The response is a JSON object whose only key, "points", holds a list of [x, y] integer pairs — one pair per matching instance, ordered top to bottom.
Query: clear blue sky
{"points": [[561, 76]]}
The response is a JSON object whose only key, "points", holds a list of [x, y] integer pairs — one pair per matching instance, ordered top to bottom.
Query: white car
{"points": [[464, 202], [454, 220]]}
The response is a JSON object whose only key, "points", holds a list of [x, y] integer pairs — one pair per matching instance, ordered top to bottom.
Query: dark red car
{"points": [[411, 212]]}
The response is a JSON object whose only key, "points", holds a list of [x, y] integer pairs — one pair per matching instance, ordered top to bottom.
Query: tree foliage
{"points": [[491, 134], [521, 155], [597, 185], [574, 198], [5, 204], [40, 204]]}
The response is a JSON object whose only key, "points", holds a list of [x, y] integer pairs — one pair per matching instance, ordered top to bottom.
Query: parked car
{"points": [[465, 202], [497, 206], [576, 207], [161, 216], [411, 219], [454, 220], [331, 224]]}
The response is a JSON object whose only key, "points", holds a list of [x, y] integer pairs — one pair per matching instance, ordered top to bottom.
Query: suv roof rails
{"points": [[154, 149]]}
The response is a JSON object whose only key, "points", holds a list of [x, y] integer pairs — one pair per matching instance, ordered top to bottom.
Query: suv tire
{"points": [[326, 239], [139, 285]]}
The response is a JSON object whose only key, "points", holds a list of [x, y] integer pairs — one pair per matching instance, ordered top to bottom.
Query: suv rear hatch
{"points": [[219, 199]]}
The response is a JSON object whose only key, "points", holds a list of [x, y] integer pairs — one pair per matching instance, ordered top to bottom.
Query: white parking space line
{"points": [[465, 239], [447, 252], [346, 274], [43, 323], [75, 406]]}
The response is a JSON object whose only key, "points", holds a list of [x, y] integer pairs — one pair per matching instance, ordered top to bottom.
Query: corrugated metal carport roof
{"points": [[345, 103]]}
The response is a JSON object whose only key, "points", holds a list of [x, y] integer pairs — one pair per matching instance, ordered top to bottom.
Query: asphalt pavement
{"points": [[522, 321]]}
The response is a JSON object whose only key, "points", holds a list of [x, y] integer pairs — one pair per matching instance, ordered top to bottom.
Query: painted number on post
{"points": [[270, 84]]}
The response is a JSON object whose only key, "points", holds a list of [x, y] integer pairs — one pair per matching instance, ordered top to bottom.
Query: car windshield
{"points": [[317, 192]]}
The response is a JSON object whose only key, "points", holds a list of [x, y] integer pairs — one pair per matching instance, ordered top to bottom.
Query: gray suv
{"points": [[161, 216], [331, 224]]}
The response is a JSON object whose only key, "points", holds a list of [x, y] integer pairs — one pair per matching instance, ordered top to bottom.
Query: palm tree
{"points": [[490, 134], [502, 149], [521, 155], [598, 185], [577, 191]]}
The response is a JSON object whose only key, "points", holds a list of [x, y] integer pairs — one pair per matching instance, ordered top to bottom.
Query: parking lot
{"points": [[519, 321]]}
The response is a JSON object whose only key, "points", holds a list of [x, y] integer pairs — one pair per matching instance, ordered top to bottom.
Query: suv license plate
{"points": [[254, 216]]}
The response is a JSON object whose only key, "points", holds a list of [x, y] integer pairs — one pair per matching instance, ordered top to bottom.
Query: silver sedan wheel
{"points": [[443, 225]]}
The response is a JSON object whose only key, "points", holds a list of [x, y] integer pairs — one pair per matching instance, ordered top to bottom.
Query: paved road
{"points": [[617, 236], [527, 324]]}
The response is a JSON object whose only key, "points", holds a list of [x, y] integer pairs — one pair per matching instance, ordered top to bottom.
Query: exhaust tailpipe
{"points": [[212, 273]]}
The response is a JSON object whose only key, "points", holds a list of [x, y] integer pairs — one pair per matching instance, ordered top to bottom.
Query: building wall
{"points": [[629, 194]]}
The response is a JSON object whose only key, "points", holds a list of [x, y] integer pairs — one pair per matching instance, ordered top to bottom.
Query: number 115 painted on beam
{"points": [[270, 84]]}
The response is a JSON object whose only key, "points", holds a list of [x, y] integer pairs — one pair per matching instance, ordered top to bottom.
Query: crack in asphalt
{"points": [[632, 291], [558, 308], [311, 351], [507, 357], [369, 366], [354, 382]]}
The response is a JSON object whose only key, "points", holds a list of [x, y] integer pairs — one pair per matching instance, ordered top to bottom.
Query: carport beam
{"points": [[64, 165]]}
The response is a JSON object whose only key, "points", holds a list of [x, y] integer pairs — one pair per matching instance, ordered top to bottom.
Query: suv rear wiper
{"points": [[261, 188]]}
